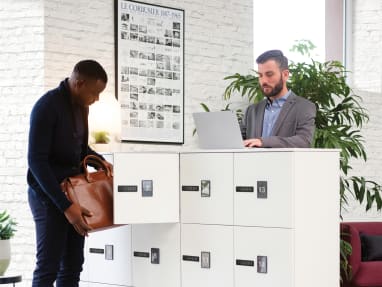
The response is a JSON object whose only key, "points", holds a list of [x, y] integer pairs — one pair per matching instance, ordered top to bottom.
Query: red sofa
{"points": [[366, 272]]}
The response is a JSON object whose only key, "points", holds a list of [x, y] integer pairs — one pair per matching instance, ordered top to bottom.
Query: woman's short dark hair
{"points": [[275, 55], [90, 69]]}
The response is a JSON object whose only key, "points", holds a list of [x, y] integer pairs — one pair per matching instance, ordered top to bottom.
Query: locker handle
{"points": [[127, 188], [190, 188], [245, 189], [97, 250], [141, 254], [190, 258], [243, 262]]}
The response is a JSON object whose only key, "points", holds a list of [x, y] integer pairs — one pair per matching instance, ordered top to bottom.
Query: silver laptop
{"points": [[218, 130]]}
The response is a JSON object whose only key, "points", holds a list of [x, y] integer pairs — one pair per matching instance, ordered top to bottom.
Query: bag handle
{"points": [[95, 161]]}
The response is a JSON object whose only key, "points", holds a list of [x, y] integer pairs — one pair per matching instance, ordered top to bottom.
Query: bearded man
{"points": [[282, 119]]}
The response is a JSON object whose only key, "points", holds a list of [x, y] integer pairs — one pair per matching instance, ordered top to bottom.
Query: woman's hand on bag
{"points": [[75, 215]]}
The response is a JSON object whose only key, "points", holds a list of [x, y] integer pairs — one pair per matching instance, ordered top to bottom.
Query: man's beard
{"points": [[276, 90]]}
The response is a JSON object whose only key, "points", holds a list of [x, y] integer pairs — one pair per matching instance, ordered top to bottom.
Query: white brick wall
{"points": [[41, 41], [367, 44], [367, 69], [21, 81]]}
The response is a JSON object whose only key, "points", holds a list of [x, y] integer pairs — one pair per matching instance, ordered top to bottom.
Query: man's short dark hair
{"points": [[275, 55], [90, 69]]}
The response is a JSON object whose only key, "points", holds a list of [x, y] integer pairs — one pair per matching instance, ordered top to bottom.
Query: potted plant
{"points": [[339, 120], [101, 140], [7, 231]]}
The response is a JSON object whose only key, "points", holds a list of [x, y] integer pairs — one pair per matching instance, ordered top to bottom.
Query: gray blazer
{"points": [[294, 126]]}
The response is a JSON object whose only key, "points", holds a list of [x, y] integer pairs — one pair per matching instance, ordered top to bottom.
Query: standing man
{"points": [[282, 119], [58, 141]]}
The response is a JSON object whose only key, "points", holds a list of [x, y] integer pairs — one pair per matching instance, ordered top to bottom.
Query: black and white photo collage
{"points": [[151, 73]]}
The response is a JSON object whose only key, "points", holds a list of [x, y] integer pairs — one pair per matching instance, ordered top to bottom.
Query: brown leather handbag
{"points": [[94, 191]]}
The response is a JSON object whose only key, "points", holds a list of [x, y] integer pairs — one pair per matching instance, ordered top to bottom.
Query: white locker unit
{"points": [[146, 188], [206, 188], [251, 217], [156, 255], [207, 255], [263, 256], [108, 257]]}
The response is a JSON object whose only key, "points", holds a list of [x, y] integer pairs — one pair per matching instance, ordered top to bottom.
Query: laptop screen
{"points": [[218, 130]]}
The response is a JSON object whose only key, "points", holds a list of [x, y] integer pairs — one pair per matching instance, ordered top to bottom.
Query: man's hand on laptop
{"points": [[253, 143]]}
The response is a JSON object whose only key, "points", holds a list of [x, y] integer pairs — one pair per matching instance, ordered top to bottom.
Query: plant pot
{"points": [[101, 147], [5, 255]]}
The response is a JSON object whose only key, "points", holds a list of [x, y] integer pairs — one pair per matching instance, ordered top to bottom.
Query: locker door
{"points": [[146, 188], [206, 188], [263, 189], [156, 251], [207, 255], [108, 256], [263, 256]]}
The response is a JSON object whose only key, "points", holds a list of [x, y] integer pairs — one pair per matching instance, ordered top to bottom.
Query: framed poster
{"points": [[150, 71]]}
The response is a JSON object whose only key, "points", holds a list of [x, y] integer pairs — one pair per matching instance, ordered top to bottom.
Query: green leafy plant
{"points": [[339, 120], [101, 137], [7, 226], [345, 251]]}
